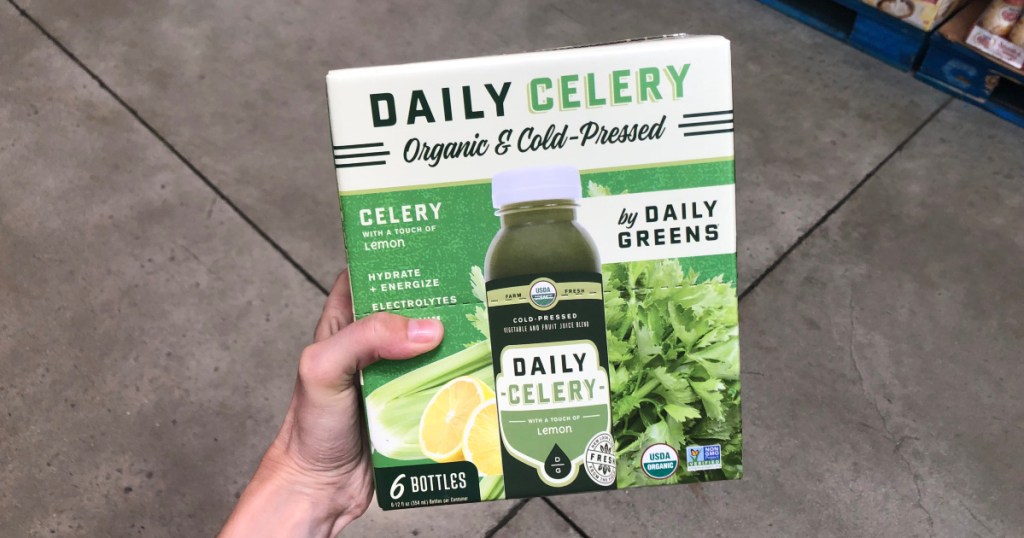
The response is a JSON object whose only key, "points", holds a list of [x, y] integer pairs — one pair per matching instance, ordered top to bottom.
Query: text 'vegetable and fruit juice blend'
{"points": [[545, 305]]}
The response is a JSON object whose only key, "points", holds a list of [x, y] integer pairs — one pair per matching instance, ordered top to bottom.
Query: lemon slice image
{"points": [[444, 419], [481, 442]]}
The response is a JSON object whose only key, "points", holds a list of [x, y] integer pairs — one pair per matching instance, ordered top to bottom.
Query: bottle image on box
{"points": [[545, 308]]}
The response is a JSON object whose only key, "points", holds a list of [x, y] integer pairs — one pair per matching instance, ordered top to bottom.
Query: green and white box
{"points": [[570, 216]]}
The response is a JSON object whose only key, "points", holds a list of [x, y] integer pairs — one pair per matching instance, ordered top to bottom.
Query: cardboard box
{"points": [[924, 14], [963, 30], [995, 46], [591, 329]]}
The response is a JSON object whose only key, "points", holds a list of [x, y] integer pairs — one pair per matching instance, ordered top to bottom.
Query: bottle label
{"points": [[550, 359]]}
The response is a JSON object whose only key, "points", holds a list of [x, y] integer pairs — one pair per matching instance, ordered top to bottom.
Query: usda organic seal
{"points": [[543, 294], [659, 461]]}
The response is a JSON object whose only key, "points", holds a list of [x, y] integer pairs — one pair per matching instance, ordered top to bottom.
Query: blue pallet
{"points": [[887, 38], [960, 70]]}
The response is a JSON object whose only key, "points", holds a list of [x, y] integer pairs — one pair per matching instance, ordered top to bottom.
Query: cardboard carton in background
{"points": [[924, 14]]}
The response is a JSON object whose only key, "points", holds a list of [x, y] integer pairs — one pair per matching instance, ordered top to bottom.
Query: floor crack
{"points": [[170, 147], [842, 201], [193, 255], [887, 432], [506, 518], [976, 518]]}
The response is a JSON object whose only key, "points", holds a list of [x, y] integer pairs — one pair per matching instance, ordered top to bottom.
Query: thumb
{"points": [[332, 364]]}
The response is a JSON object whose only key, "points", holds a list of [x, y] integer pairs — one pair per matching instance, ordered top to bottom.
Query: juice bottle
{"points": [[546, 313]]}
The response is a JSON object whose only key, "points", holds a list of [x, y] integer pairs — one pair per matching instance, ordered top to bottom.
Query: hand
{"points": [[316, 477]]}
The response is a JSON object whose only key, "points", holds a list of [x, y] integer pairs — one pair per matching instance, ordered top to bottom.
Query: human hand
{"points": [[316, 477]]}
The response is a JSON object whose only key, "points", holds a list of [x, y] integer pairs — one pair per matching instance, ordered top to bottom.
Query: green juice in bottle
{"points": [[545, 307]]}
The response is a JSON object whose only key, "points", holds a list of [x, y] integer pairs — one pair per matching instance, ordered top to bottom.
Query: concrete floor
{"points": [[167, 226]]}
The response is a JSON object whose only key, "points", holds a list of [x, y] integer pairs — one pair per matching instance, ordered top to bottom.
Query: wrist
{"points": [[321, 490], [336, 495], [284, 499], [273, 504]]}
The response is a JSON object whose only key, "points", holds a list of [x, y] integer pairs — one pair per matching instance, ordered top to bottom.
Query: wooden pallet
{"points": [[862, 26], [953, 67]]}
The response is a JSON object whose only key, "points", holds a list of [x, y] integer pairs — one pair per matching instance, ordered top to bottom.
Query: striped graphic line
{"points": [[702, 114], [704, 123], [708, 132], [357, 146], [370, 154], [353, 165]]}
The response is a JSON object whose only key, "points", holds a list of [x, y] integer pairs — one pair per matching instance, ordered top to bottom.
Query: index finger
{"points": [[337, 313]]}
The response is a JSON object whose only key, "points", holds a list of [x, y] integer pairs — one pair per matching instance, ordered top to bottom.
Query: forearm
{"points": [[276, 504]]}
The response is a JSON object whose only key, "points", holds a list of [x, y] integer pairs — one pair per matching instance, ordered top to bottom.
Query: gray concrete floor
{"points": [[168, 225]]}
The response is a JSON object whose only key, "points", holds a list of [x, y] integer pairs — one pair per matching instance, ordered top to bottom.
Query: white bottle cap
{"points": [[535, 184]]}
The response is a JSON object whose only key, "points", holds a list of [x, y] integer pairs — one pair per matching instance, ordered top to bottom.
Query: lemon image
{"points": [[443, 424], [480, 442]]}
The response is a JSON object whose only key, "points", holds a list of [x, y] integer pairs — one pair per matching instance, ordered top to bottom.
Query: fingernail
{"points": [[422, 331]]}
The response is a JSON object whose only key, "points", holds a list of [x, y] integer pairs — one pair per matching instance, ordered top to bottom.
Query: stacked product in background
{"points": [[924, 14], [999, 32], [1017, 33]]}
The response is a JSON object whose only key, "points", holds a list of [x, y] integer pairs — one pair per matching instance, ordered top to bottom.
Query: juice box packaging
{"points": [[569, 215]]}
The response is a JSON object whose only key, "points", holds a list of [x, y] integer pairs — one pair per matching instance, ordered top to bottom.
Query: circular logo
{"points": [[543, 294], [600, 459], [659, 461]]}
